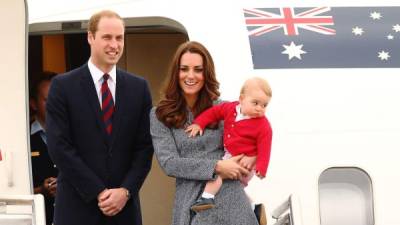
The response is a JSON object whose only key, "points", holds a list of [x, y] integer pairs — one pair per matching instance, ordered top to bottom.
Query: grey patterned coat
{"points": [[192, 161]]}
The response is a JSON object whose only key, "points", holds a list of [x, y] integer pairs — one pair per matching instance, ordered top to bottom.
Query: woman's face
{"points": [[191, 77]]}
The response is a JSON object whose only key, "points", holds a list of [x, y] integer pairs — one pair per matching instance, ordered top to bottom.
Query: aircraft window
{"points": [[345, 197]]}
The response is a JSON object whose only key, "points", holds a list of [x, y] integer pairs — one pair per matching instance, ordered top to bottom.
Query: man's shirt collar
{"points": [[97, 74], [36, 127]]}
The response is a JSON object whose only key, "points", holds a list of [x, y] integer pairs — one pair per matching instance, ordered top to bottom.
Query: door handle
{"points": [[8, 160]]}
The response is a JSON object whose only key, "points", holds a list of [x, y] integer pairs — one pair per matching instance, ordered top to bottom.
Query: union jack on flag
{"points": [[262, 21]]}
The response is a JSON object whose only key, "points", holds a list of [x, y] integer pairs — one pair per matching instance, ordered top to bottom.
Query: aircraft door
{"points": [[14, 158]]}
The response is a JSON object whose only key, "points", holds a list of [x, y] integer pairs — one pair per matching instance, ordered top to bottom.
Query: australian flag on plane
{"points": [[324, 37]]}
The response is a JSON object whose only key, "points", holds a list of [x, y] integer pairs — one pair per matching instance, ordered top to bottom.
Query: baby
{"points": [[246, 131]]}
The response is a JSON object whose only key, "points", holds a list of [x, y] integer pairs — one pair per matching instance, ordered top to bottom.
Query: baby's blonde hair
{"points": [[260, 83]]}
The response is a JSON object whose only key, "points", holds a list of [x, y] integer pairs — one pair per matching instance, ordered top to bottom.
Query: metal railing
{"points": [[288, 212]]}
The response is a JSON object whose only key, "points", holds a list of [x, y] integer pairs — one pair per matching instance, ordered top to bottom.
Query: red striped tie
{"points": [[107, 104]]}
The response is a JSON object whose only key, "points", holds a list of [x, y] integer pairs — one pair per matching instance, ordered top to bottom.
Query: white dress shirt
{"points": [[97, 76]]}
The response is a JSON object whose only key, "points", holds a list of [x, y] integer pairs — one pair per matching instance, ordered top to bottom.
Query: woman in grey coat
{"points": [[192, 87]]}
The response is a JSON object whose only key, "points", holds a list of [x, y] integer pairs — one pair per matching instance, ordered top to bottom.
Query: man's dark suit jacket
{"points": [[89, 160], [42, 168]]}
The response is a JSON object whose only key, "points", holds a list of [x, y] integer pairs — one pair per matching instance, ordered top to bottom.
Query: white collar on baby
{"points": [[239, 115]]}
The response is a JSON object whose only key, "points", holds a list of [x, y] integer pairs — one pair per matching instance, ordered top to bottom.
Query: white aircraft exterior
{"points": [[336, 138]]}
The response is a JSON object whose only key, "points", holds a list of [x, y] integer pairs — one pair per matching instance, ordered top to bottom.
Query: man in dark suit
{"points": [[98, 133], [44, 171]]}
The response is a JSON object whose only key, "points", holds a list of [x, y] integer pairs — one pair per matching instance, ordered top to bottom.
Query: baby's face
{"points": [[253, 102]]}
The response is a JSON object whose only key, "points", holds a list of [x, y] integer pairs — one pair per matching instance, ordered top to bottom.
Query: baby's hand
{"points": [[193, 130], [258, 174]]}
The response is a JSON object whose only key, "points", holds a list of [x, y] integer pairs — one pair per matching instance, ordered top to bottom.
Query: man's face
{"points": [[107, 44], [39, 103]]}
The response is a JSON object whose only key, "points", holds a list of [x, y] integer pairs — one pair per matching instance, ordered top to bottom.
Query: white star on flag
{"points": [[375, 16], [396, 28], [357, 31], [390, 37], [293, 50], [383, 55]]}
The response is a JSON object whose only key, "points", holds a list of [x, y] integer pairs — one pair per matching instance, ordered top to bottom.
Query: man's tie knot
{"points": [[105, 77]]}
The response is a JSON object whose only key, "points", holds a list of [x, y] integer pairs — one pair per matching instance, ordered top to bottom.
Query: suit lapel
{"points": [[89, 89], [120, 99]]}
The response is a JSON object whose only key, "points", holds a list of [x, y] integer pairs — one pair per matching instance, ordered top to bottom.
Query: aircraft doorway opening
{"points": [[148, 50]]}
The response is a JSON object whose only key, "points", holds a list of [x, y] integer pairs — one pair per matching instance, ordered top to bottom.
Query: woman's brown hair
{"points": [[172, 109]]}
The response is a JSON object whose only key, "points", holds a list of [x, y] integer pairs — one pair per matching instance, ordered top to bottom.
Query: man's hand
{"points": [[193, 130], [248, 162], [230, 168], [48, 187], [101, 195], [112, 201]]}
